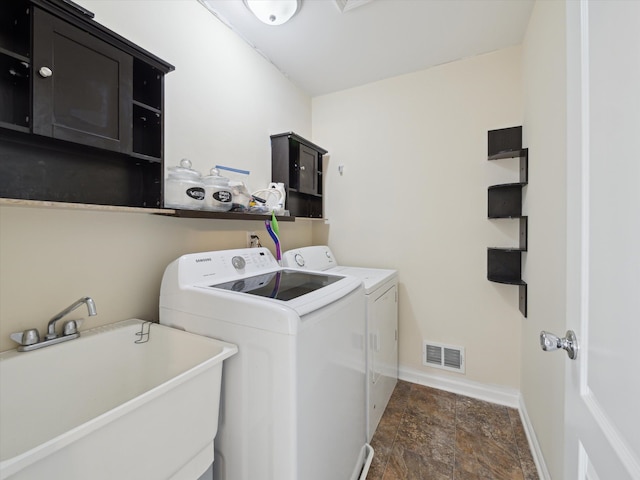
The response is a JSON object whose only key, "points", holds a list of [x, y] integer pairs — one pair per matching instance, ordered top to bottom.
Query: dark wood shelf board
{"points": [[15, 55], [147, 107], [15, 127], [519, 153], [148, 158], [507, 185], [305, 193], [226, 215], [506, 280]]}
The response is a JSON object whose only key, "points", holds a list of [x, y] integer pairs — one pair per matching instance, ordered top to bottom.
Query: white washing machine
{"points": [[381, 293], [291, 404]]}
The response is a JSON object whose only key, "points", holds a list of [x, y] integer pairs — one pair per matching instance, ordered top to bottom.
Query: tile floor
{"points": [[430, 434]]}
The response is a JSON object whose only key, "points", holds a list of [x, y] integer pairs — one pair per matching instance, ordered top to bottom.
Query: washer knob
{"points": [[299, 260], [238, 262]]}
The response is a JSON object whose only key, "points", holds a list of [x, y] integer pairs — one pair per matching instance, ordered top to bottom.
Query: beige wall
{"points": [[544, 76], [222, 103], [413, 197], [52, 257]]}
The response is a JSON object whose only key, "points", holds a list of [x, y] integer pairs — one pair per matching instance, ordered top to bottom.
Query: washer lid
{"points": [[282, 285]]}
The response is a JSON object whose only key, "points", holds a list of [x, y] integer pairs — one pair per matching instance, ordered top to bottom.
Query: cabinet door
{"points": [[87, 98], [307, 162]]}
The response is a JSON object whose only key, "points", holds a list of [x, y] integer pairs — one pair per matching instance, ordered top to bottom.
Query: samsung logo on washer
{"points": [[205, 259]]}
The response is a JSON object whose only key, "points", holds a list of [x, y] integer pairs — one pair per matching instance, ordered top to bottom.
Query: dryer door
{"points": [[383, 353]]}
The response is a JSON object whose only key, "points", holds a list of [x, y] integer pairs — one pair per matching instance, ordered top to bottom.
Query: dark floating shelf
{"points": [[14, 55], [519, 153], [226, 215], [506, 281]]}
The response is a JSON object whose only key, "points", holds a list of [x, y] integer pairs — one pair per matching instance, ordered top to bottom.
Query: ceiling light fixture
{"points": [[273, 12]]}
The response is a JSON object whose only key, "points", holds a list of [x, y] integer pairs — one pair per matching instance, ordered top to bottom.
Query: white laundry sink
{"points": [[105, 407]]}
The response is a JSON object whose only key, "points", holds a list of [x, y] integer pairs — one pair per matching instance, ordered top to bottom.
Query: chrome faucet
{"points": [[51, 327], [30, 338]]}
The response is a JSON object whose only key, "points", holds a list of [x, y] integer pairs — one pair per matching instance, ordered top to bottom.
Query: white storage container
{"points": [[218, 196]]}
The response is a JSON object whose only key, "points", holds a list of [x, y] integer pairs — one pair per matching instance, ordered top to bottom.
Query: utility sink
{"points": [[132, 400]]}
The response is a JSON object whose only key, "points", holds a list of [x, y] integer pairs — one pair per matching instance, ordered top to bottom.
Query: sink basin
{"points": [[105, 407]]}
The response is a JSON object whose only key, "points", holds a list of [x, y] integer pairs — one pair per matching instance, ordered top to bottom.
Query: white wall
{"points": [[545, 96], [223, 100], [222, 103], [413, 196]]}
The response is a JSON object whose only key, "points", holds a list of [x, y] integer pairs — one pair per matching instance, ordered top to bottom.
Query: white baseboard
{"points": [[509, 397], [543, 471]]}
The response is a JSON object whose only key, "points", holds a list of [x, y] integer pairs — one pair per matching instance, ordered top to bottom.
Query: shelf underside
{"points": [[517, 153], [227, 215], [507, 281]]}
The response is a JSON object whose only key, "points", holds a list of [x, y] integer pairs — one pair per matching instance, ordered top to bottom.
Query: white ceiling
{"points": [[323, 49]]}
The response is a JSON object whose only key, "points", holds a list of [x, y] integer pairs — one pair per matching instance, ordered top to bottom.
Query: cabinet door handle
{"points": [[45, 72], [303, 168]]}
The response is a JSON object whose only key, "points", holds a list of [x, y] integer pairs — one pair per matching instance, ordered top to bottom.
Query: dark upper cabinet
{"points": [[82, 86], [81, 109], [297, 163]]}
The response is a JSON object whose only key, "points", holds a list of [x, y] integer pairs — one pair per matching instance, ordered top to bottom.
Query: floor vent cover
{"points": [[447, 357]]}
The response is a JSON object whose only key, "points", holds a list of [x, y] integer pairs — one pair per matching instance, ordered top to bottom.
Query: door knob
{"points": [[550, 342]]}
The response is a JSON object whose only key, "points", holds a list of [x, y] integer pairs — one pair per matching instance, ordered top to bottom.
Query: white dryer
{"points": [[381, 294], [291, 401]]}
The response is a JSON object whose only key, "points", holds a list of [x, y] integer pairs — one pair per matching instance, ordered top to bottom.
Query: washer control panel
{"points": [[312, 258], [224, 265]]}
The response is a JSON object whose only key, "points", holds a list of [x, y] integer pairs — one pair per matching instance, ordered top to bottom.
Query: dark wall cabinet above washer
{"points": [[81, 86], [71, 92], [297, 163]]}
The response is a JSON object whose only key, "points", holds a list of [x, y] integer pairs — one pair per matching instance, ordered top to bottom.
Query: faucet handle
{"points": [[71, 327], [28, 337]]}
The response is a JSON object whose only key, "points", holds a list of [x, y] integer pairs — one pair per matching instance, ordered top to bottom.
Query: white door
{"points": [[602, 402]]}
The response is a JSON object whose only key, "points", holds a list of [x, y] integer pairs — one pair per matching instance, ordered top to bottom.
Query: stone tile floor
{"points": [[427, 434]]}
